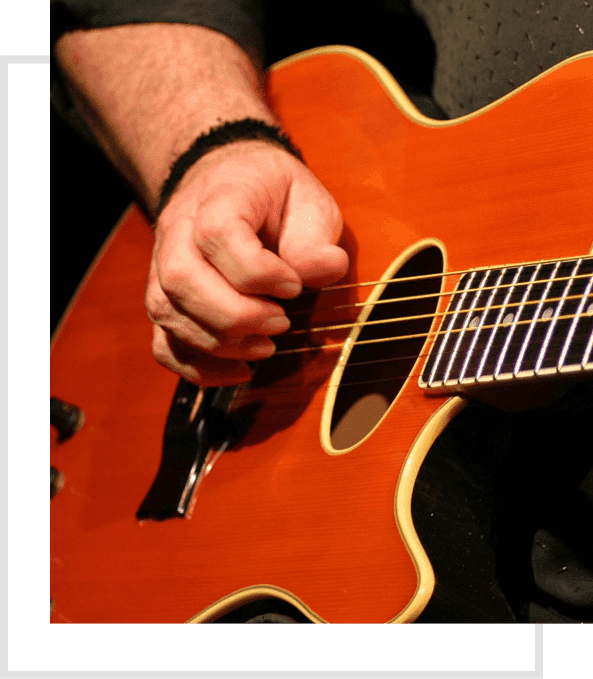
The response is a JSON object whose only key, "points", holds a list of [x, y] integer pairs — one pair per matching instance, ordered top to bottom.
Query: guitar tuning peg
{"points": [[65, 417], [56, 481]]}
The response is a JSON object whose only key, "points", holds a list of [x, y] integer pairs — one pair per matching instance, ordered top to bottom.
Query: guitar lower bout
{"points": [[403, 518]]}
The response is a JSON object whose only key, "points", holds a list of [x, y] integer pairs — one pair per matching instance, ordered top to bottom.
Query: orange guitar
{"points": [[470, 242]]}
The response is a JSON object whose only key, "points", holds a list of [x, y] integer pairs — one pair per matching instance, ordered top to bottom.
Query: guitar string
{"points": [[444, 275], [432, 294], [435, 315], [456, 330], [418, 335], [514, 344], [337, 346], [420, 356], [391, 359], [414, 374]]}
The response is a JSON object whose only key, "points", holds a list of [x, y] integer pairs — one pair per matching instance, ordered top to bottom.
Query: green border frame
{"points": [[33, 643]]}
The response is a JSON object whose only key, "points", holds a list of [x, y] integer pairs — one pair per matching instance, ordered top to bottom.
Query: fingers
{"points": [[241, 190], [297, 218], [249, 225], [311, 227], [227, 240], [202, 292], [220, 331], [194, 366]]}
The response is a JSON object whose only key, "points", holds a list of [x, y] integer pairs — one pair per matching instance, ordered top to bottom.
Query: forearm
{"points": [[148, 90]]}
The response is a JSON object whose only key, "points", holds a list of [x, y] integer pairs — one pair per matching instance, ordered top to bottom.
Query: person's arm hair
{"points": [[148, 90]]}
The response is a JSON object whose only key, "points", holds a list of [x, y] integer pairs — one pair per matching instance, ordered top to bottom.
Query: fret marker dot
{"points": [[589, 311], [547, 313], [508, 319], [475, 322]]}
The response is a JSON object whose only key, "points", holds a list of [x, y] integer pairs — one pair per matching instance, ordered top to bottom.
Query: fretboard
{"points": [[514, 323]]}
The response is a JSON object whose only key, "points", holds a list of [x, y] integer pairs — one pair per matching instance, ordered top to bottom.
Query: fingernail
{"points": [[288, 289], [276, 324], [260, 347]]}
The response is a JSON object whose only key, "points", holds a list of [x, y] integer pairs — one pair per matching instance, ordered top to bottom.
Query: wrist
{"points": [[246, 129]]}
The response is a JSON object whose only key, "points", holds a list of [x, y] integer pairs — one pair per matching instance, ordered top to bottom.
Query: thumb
{"points": [[312, 226]]}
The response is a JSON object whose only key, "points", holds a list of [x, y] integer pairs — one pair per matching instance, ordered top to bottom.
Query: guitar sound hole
{"points": [[375, 373]]}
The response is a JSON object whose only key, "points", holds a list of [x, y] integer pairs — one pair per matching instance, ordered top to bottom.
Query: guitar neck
{"points": [[515, 323]]}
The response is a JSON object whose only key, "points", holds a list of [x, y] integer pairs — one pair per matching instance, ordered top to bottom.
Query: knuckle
{"points": [[334, 218], [211, 234], [173, 277], [247, 281], [157, 308], [233, 322], [237, 322], [160, 352]]}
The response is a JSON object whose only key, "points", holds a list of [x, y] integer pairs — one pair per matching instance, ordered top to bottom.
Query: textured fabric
{"points": [[484, 50]]}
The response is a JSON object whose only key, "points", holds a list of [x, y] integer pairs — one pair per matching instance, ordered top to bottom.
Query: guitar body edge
{"points": [[398, 95]]}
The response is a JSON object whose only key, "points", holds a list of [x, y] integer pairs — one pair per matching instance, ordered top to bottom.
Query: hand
{"points": [[248, 222]]}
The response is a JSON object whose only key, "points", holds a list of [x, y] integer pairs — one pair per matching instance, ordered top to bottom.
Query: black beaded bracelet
{"points": [[239, 130]]}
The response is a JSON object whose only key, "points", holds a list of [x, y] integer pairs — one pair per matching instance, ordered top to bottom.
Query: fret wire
{"points": [[486, 309], [465, 324], [514, 324], [496, 325], [573, 325], [531, 328], [446, 337], [548, 337], [585, 362]]}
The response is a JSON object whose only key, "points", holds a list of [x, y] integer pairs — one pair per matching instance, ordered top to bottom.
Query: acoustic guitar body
{"points": [[311, 504]]}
